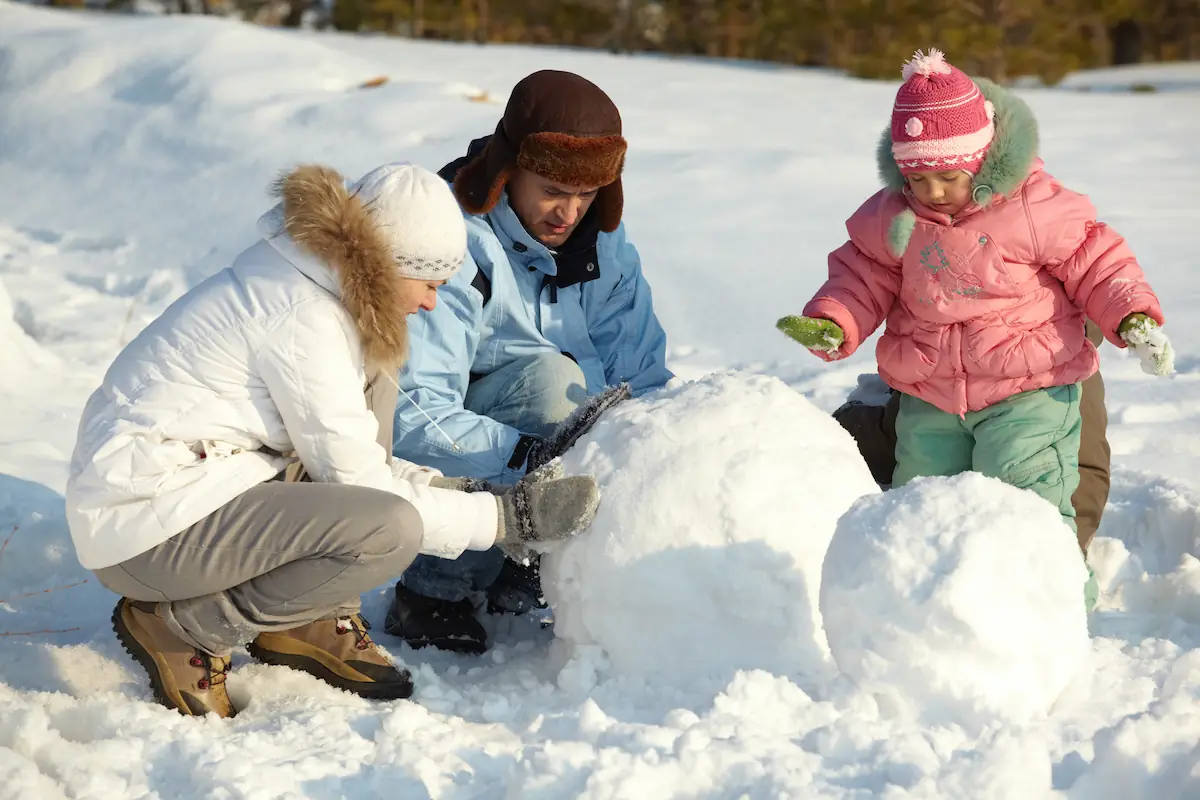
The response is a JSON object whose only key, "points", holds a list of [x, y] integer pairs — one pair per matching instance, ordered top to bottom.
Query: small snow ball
{"points": [[718, 500], [957, 600]]}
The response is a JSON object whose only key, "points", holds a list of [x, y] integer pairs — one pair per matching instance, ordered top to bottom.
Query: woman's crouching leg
{"points": [[282, 567]]}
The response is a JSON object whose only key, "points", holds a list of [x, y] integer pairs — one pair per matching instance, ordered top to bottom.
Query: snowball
{"points": [[718, 500], [957, 600]]}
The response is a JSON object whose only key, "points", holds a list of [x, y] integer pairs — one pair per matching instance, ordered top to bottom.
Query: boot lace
{"points": [[359, 627], [215, 669]]}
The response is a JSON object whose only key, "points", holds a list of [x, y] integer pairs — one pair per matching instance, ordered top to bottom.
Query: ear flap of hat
{"points": [[478, 185], [610, 203]]}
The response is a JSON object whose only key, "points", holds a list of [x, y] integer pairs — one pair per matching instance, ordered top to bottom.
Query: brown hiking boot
{"points": [[339, 652], [183, 678]]}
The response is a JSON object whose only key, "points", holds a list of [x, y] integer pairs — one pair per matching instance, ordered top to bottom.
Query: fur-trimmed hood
{"points": [[1010, 160], [319, 216]]}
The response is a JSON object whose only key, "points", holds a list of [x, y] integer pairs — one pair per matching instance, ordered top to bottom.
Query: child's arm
{"points": [[1096, 266], [1101, 275], [863, 282]]}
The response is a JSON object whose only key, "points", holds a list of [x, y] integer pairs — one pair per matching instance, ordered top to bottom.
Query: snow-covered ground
{"points": [[135, 153]]}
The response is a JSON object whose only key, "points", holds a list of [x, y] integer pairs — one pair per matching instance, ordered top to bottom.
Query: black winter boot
{"points": [[874, 431], [518, 588], [447, 625]]}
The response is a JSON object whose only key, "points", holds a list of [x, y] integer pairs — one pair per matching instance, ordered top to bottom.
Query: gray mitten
{"points": [[460, 484], [542, 507]]}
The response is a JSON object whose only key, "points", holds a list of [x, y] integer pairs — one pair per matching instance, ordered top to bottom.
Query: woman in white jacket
{"points": [[182, 495]]}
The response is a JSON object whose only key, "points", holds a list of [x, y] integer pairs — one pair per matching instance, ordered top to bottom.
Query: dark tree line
{"points": [[1001, 39]]}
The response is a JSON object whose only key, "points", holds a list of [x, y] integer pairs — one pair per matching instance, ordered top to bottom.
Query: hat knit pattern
{"points": [[940, 120], [418, 217]]}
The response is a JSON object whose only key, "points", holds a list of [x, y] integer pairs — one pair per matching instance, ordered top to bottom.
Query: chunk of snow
{"points": [[719, 498], [957, 601]]}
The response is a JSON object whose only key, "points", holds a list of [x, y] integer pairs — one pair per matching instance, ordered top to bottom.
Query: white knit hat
{"points": [[420, 217]]}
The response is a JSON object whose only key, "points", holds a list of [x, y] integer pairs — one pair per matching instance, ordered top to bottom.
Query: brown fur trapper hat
{"points": [[560, 126]]}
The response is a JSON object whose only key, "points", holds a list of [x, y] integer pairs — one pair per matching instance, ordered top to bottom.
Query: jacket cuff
{"points": [[827, 308], [468, 521], [489, 522]]}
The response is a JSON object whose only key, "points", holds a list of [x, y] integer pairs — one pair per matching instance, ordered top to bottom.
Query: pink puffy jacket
{"points": [[985, 305]]}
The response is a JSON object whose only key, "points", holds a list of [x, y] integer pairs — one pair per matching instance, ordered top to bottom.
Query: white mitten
{"points": [[1147, 340]]}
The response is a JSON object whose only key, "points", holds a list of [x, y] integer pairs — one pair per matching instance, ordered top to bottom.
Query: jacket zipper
{"points": [[956, 353], [960, 372]]}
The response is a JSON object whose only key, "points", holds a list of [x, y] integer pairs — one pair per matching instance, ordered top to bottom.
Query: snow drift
{"points": [[20, 354]]}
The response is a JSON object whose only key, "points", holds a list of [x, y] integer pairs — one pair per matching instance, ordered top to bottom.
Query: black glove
{"points": [[535, 452]]}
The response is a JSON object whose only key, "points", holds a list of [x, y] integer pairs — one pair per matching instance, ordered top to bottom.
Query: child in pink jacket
{"points": [[985, 268]]}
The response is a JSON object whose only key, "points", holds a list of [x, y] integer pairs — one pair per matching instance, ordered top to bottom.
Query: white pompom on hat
{"points": [[419, 217]]}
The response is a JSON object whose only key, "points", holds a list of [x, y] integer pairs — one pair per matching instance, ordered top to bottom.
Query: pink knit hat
{"points": [[940, 121]]}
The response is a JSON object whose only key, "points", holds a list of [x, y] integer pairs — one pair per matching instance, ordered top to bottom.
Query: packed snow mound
{"points": [[19, 353], [718, 500], [957, 600]]}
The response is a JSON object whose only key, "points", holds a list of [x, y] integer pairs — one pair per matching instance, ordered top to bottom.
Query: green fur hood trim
{"points": [[1008, 161], [900, 231]]}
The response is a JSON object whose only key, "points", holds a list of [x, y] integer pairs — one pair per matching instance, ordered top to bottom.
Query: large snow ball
{"points": [[718, 500], [957, 600]]}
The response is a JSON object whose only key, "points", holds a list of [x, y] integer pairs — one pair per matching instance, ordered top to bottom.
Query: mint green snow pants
{"points": [[1030, 440]]}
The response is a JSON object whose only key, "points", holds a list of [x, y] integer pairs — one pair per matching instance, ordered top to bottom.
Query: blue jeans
{"points": [[532, 394]]}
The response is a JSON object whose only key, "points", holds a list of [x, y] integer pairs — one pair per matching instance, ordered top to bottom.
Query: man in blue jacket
{"points": [[549, 311]]}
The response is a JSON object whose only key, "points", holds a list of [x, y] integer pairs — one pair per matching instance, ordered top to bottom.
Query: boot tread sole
{"points": [[286, 645], [400, 689]]}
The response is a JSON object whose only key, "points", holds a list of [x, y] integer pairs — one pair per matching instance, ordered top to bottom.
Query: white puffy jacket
{"points": [[271, 352]]}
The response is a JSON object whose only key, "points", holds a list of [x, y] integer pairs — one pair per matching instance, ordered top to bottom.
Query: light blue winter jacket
{"points": [[606, 323]]}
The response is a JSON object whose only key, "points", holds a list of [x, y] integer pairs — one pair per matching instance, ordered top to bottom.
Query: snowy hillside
{"points": [[135, 153]]}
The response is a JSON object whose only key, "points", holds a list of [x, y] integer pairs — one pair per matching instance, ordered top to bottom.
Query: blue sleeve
{"points": [[624, 328], [442, 345]]}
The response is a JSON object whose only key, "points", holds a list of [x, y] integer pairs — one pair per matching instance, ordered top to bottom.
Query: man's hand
{"points": [[815, 334], [572, 429]]}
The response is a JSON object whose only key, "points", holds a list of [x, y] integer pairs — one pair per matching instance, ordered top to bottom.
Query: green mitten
{"points": [[1135, 321], [815, 334], [1147, 340]]}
